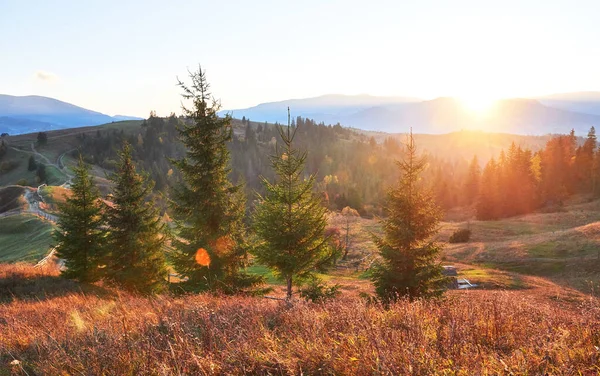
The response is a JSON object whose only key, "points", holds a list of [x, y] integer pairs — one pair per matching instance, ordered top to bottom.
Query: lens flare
{"points": [[222, 245], [202, 257]]}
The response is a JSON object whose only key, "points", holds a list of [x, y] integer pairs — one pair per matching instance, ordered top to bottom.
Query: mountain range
{"points": [[32, 113], [557, 113]]}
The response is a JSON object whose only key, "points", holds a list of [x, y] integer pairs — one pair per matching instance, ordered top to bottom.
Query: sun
{"points": [[478, 104]]}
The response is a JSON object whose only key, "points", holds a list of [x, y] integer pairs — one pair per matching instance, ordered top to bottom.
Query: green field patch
{"points": [[20, 171], [25, 238], [258, 269]]}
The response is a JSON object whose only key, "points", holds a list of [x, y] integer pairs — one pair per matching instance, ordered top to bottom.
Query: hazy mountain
{"points": [[587, 102], [326, 108], [34, 113], [441, 115]]}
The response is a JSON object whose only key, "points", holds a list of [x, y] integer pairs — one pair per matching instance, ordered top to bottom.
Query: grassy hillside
{"points": [[11, 198], [24, 237], [562, 246], [55, 326]]}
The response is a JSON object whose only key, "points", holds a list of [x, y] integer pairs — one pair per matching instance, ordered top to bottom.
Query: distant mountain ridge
{"points": [[327, 108], [32, 113], [530, 116]]}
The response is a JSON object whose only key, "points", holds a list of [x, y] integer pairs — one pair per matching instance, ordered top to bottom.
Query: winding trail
{"points": [[59, 165]]}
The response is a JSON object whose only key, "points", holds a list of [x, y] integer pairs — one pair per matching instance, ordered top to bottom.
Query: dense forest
{"points": [[351, 168], [354, 170], [520, 181]]}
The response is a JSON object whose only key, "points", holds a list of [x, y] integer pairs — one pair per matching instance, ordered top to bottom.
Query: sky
{"points": [[124, 57]]}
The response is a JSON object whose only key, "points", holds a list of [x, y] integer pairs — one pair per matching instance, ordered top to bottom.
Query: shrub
{"points": [[8, 165], [460, 236], [318, 291]]}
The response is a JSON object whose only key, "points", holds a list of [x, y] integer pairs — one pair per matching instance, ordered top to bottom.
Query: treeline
{"points": [[350, 168], [521, 181]]}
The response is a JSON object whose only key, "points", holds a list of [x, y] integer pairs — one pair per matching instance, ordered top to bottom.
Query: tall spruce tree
{"points": [[472, 181], [487, 203], [208, 208], [290, 219], [136, 234], [79, 235], [408, 266]]}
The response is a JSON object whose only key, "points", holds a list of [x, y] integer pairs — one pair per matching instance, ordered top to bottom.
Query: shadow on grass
{"points": [[26, 286]]}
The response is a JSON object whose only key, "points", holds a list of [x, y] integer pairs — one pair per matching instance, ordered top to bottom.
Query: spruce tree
{"points": [[472, 182], [487, 203], [208, 209], [289, 219], [136, 234], [79, 235], [408, 266]]}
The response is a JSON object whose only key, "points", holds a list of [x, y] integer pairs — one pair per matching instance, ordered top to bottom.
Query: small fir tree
{"points": [[31, 164], [290, 219], [136, 234], [79, 235], [408, 266]]}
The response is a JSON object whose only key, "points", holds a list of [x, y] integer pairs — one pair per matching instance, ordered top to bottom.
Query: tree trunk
{"points": [[289, 288]]}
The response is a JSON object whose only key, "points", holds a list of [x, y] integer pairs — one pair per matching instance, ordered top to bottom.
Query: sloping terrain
{"points": [[24, 237], [563, 246]]}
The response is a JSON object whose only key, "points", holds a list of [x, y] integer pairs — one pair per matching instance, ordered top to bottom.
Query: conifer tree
{"points": [[585, 163], [472, 182], [487, 202], [208, 208], [290, 219], [136, 234], [79, 235], [408, 265]]}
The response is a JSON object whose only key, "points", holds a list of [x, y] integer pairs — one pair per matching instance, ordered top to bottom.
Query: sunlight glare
{"points": [[479, 104]]}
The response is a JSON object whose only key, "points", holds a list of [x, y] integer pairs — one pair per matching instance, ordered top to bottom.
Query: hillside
{"points": [[19, 115]]}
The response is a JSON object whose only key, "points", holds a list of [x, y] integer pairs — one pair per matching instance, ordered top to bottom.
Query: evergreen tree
{"points": [[42, 138], [585, 163], [32, 165], [41, 172], [472, 183], [487, 202], [208, 209], [290, 219], [79, 235], [136, 235], [408, 264]]}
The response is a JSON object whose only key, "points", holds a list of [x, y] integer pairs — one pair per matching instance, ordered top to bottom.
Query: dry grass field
{"points": [[56, 327]]}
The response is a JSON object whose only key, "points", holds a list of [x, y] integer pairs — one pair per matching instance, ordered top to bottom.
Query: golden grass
{"points": [[53, 329]]}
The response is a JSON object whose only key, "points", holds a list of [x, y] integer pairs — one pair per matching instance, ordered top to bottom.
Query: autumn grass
{"points": [[562, 246], [113, 333]]}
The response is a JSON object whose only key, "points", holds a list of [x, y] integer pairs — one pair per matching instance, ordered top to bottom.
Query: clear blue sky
{"points": [[123, 56]]}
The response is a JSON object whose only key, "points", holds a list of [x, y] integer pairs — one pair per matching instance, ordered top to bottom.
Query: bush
{"points": [[8, 165], [460, 236], [318, 291]]}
